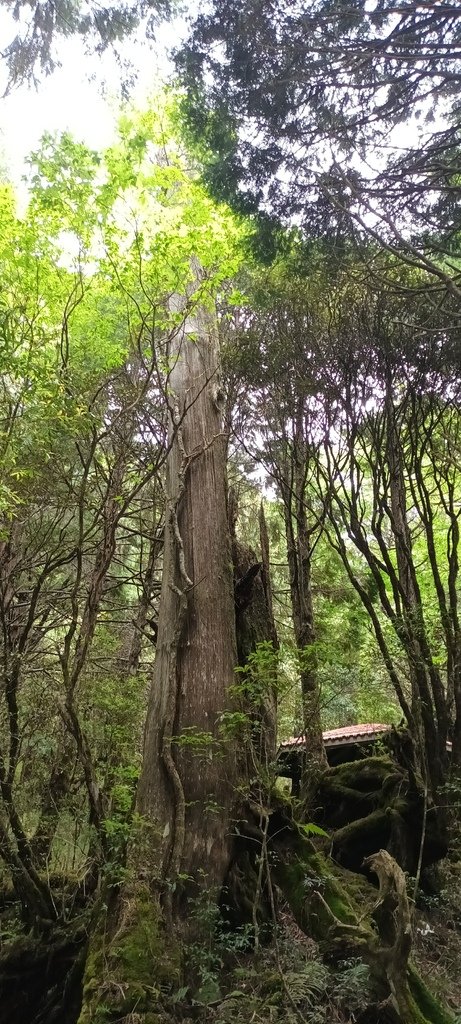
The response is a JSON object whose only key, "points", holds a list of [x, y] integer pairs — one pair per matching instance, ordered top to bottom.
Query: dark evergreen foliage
{"points": [[42, 23], [293, 107]]}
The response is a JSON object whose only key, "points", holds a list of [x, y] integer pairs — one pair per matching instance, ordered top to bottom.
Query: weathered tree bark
{"points": [[265, 574], [255, 624], [270, 711], [187, 787], [349, 919], [394, 923]]}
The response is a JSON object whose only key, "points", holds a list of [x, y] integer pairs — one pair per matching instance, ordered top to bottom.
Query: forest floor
{"points": [[437, 938], [290, 978]]}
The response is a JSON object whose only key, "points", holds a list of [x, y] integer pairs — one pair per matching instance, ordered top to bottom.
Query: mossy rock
{"points": [[310, 884], [131, 966]]}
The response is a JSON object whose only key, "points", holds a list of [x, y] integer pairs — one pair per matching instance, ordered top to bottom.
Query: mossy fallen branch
{"points": [[348, 918]]}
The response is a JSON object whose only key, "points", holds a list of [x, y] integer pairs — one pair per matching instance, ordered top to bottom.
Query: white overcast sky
{"points": [[70, 100]]}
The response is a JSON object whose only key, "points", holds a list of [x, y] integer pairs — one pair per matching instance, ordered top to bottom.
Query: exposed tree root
{"points": [[344, 914], [41, 982]]}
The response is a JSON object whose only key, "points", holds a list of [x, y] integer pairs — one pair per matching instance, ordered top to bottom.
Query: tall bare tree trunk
{"points": [[299, 555], [255, 625], [429, 709], [186, 787]]}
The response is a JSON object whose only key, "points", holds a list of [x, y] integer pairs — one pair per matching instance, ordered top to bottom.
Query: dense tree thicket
{"points": [[354, 412], [229, 511]]}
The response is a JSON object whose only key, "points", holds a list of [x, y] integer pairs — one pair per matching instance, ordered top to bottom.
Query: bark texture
{"points": [[255, 624], [186, 787]]}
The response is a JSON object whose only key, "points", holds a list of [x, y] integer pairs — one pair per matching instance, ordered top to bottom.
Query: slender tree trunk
{"points": [[300, 564], [255, 625], [131, 660], [272, 696], [429, 710], [53, 800]]}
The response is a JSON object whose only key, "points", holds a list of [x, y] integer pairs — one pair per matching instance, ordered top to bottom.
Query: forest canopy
{"points": [[342, 118]]}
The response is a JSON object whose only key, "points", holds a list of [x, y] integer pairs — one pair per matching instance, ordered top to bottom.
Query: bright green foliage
{"points": [[113, 253], [87, 273], [347, 397]]}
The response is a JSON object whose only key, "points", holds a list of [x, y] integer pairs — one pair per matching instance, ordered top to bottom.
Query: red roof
{"points": [[341, 737]]}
